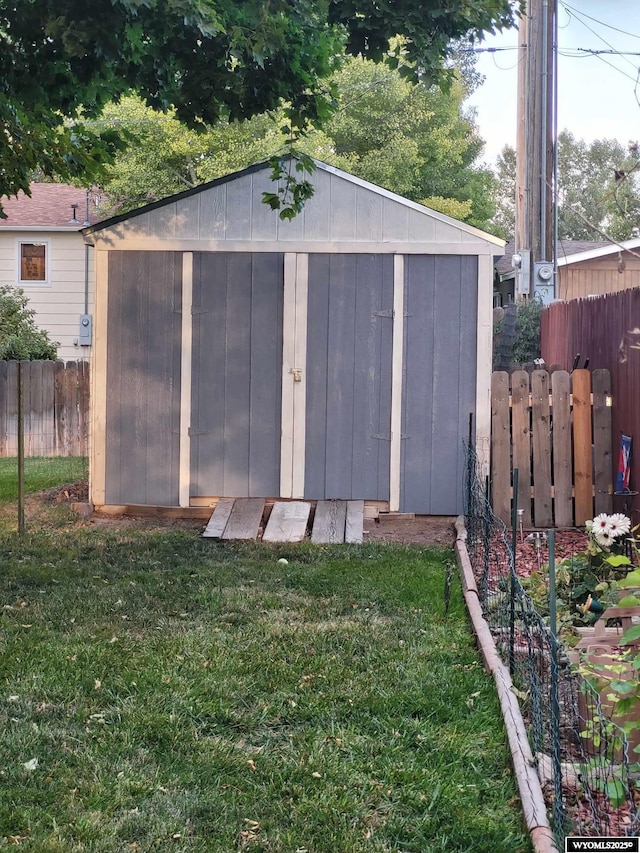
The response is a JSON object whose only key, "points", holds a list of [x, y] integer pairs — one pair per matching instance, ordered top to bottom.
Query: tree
{"points": [[61, 63], [411, 138], [598, 189], [504, 221], [20, 339]]}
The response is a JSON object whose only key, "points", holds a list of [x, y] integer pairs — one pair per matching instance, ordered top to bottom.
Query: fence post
{"points": [[21, 527], [512, 597], [558, 809]]}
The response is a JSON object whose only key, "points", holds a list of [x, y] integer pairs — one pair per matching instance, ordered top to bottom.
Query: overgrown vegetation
{"points": [[519, 344], [163, 692]]}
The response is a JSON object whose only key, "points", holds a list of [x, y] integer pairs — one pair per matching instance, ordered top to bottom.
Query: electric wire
{"points": [[568, 8], [577, 15]]}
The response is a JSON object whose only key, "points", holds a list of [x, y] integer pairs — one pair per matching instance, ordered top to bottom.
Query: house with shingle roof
{"points": [[42, 251], [585, 268]]}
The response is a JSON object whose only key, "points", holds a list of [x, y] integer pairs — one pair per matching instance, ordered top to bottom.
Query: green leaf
{"points": [[617, 560], [629, 601], [631, 635], [623, 687], [615, 792]]}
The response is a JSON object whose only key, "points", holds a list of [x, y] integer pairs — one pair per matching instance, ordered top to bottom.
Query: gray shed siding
{"points": [[339, 211], [236, 374], [143, 377], [439, 387], [348, 409], [246, 422]]}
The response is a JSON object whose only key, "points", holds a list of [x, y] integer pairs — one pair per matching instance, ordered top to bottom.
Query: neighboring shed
{"points": [[338, 355]]}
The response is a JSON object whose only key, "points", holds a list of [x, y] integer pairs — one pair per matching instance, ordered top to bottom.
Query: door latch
{"points": [[297, 373]]}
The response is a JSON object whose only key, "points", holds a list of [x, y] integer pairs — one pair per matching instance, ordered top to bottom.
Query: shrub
{"points": [[20, 339]]}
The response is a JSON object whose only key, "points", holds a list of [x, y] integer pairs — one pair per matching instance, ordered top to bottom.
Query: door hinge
{"points": [[388, 313]]}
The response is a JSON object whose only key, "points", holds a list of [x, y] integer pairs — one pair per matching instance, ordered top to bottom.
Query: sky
{"points": [[598, 95]]}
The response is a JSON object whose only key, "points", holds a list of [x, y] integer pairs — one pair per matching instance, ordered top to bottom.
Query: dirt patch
{"points": [[403, 528], [413, 530]]}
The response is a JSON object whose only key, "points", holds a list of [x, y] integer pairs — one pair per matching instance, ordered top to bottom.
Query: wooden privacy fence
{"points": [[55, 405], [556, 430]]}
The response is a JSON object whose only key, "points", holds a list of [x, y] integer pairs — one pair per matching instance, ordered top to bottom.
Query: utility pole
{"points": [[534, 237]]}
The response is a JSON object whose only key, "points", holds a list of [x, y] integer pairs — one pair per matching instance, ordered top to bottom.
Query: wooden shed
{"points": [[337, 355]]}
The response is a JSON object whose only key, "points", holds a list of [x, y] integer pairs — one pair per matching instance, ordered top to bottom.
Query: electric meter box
{"points": [[86, 330]]}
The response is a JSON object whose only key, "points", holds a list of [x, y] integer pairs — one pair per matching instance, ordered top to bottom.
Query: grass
{"points": [[40, 473], [163, 692]]}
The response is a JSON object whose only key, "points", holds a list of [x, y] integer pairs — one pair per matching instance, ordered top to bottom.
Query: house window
{"points": [[32, 261]]}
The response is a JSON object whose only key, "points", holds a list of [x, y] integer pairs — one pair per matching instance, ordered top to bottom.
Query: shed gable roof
{"points": [[343, 209]]}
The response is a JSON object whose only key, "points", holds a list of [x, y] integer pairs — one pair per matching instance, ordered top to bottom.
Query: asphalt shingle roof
{"points": [[49, 206]]}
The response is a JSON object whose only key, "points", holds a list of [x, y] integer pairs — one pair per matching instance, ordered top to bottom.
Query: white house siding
{"points": [[59, 303]]}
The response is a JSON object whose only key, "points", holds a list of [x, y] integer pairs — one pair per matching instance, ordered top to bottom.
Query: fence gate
{"points": [[556, 430]]}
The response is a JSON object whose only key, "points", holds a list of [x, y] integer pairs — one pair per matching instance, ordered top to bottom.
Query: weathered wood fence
{"points": [[55, 404], [556, 430]]}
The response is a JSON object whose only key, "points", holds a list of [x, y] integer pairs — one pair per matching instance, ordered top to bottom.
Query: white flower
{"points": [[601, 523], [619, 524], [588, 526], [603, 538]]}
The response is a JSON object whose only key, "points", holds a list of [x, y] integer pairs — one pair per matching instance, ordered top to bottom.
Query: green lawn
{"points": [[40, 473], [164, 692]]}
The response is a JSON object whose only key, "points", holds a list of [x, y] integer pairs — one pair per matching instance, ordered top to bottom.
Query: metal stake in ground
{"points": [[21, 526], [512, 603], [558, 809]]}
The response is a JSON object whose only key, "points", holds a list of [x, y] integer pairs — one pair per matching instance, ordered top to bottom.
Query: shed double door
{"points": [[291, 375]]}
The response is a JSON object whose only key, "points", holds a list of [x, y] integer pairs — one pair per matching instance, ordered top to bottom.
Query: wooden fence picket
{"points": [[56, 408], [540, 425], [559, 436], [521, 440], [602, 440], [561, 443], [500, 446], [582, 450]]}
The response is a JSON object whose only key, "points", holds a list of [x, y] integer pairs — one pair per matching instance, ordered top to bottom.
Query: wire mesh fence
{"points": [[586, 767]]}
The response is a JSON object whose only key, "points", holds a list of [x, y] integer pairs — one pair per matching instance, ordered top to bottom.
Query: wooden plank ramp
{"points": [[220, 517], [245, 518], [334, 521], [287, 522], [329, 522], [354, 522]]}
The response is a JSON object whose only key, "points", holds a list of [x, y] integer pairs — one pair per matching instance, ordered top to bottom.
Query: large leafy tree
{"points": [[61, 62], [414, 139], [598, 189]]}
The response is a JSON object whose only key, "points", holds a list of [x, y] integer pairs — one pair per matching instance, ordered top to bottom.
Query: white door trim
{"points": [[294, 379], [185, 380], [396, 383]]}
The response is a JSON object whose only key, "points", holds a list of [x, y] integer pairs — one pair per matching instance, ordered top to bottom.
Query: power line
{"points": [[570, 9], [596, 34], [593, 52]]}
